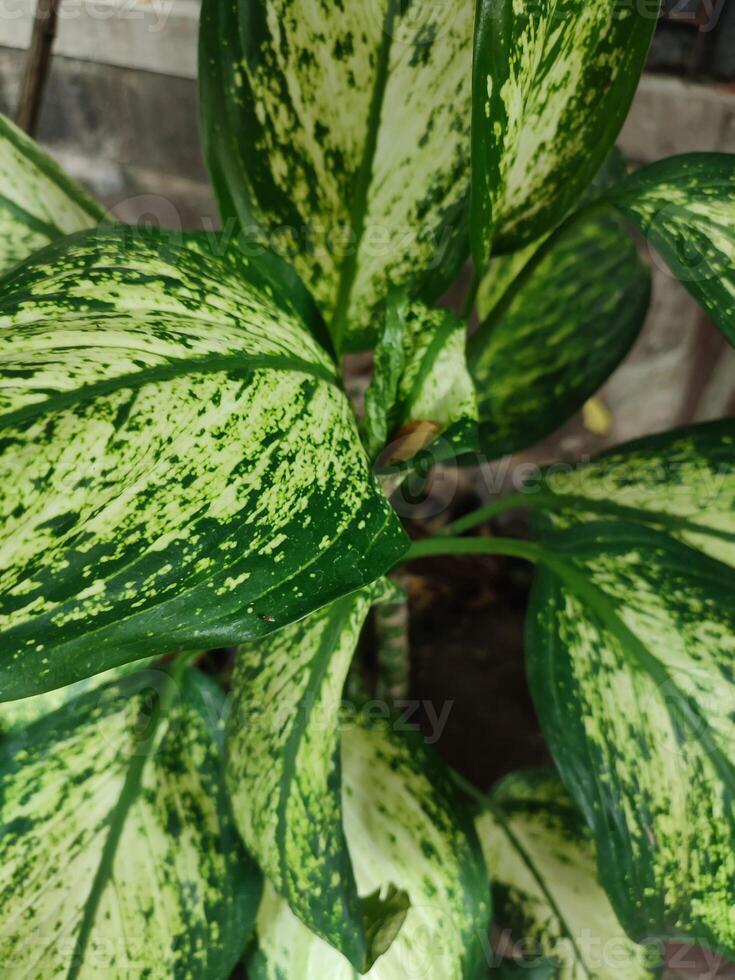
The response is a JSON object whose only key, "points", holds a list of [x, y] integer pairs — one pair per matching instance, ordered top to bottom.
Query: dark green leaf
{"points": [[553, 81], [340, 132], [685, 206], [504, 269], [558, 332], [180, 466], [631, 645], [118, 854], [384, 913]]}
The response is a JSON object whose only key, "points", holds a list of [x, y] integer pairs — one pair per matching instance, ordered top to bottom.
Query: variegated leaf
{"points": [[553, 81], [342, 133], [38, 202], [685, 206], [504, 269], [558, 332], [421, 388], [180, 467], [682, 482], [631, 645], [16, 716], [283, 770], [403, 824], [118, 856], [541, 860]]}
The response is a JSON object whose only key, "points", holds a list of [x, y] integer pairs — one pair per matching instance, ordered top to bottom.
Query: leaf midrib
{"points": [[358, 208], [212, 364], [637, 514], [598, 600], [128, 795], [499, 814]]}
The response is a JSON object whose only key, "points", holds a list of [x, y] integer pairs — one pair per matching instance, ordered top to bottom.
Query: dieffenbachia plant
{"points": [[182, 470]]}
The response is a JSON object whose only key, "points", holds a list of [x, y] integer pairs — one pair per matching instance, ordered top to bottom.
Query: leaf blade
{"points": [[552, 87], [348, 131], [38, 202], [685, 206], [558, 332], [421, 389], [180, 466], [680, 481], [634, 705], [52, 843], [299, 843], [431, 850], [541, 859]]}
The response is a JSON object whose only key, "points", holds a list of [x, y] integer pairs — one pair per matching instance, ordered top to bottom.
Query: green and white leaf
{"points": [[553, 82], [340, 133], [38, 202], [685, 206], [505, 269], [558, 332], [421, 388], [180, 467], [682, 482], [631, 645], [16, 716], [283, 766], [403, 824], [118, 857], [541, 859]]}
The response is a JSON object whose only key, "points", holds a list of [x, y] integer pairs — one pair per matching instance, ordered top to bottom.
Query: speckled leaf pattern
{"points": [[553, 81], [342, 132], [38, 202], [685, 206], [504, 269], [558, 332], [421, 388], [180, 467], [681, 481], [631, 645], [16, 716], [283, 769], [404, 825], [541, 859], [177, 896]]}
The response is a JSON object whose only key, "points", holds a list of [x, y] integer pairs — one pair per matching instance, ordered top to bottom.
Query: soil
{"points": [[467, 642]]}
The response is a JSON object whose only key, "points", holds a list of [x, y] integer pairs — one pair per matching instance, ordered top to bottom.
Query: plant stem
{"points": [[37, 65], [469, 302], [483, 514], [513, 548], [393, 646], [482, 799]]}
